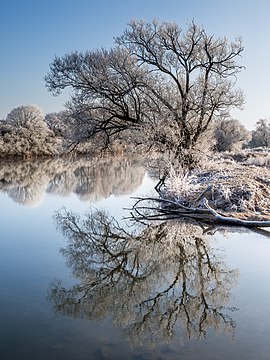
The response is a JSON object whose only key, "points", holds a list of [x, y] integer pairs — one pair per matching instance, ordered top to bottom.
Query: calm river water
{"points": [[78, 282]]}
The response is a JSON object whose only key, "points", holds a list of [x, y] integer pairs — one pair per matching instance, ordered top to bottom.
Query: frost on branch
{"points": [[163, 84], [222, 193]]}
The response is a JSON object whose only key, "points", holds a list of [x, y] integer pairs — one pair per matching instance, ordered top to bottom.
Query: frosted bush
{"points": [[25, 134], [28, 143], [259, 160], [227, 187]]}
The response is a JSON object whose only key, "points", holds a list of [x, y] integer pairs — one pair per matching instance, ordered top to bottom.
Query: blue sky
{"points": [[32, 32]]}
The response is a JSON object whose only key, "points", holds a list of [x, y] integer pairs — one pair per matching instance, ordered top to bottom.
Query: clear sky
{"points": [[32, 32]]}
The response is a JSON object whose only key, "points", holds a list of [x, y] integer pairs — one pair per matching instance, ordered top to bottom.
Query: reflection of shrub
{"points": [[90, 178]]}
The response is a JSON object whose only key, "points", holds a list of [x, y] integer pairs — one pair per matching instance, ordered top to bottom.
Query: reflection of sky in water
{"points": [[250, 253], [30, 260]]}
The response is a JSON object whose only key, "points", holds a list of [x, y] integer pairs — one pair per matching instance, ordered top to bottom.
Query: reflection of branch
{"points": [[211, 230], [150, 281]]}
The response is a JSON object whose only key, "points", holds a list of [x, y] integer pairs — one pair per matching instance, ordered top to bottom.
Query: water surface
{"points": [[78, 283]]}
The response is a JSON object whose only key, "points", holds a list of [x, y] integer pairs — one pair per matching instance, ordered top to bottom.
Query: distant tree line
{"points": [[27, 133], [231, 135]]}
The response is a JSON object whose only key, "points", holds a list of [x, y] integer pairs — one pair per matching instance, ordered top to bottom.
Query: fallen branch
{"points": [[176, 204], [169, 209], [233, 221]]}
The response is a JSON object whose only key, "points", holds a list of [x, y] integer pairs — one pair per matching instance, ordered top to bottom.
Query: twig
{"points": [[160, 183], [202, 193], [177, 204]]}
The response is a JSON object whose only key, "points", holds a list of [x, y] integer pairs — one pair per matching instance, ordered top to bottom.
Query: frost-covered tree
{"points": [[168, 83], [26, 116], [55, 122], [60, 123], [67, 126], [24, 133], [261, 134], [230, 135]]}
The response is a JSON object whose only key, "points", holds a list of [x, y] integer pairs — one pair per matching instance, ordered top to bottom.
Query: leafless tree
{"points": [[168, 84], [58, 123]]}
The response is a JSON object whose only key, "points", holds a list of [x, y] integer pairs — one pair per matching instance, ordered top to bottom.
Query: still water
{"points": [[78, 282]]}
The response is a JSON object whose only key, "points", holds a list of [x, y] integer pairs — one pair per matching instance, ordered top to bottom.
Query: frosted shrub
{"points": [[25, 134], [29, 143], [259, 160], [180, 183], [227, 187]]}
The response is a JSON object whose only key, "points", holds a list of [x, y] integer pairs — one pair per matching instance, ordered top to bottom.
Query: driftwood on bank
{"points": [[222, 193], [151, 208]]}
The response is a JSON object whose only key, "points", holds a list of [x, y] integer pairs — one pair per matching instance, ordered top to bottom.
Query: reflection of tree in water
{"points": [[92, 179], [24, 181], [151, 282]]}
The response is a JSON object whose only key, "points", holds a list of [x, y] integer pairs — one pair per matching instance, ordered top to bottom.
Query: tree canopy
{"points": [[166, 83], [26, 116], [24, 133], [261, 134], [230, 135]]}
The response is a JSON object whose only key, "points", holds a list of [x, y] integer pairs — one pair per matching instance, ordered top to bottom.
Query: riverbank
{"points": [[222, 191]]}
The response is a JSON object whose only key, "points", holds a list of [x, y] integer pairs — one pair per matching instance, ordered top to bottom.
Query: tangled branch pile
{"points": [[225, 192]]}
